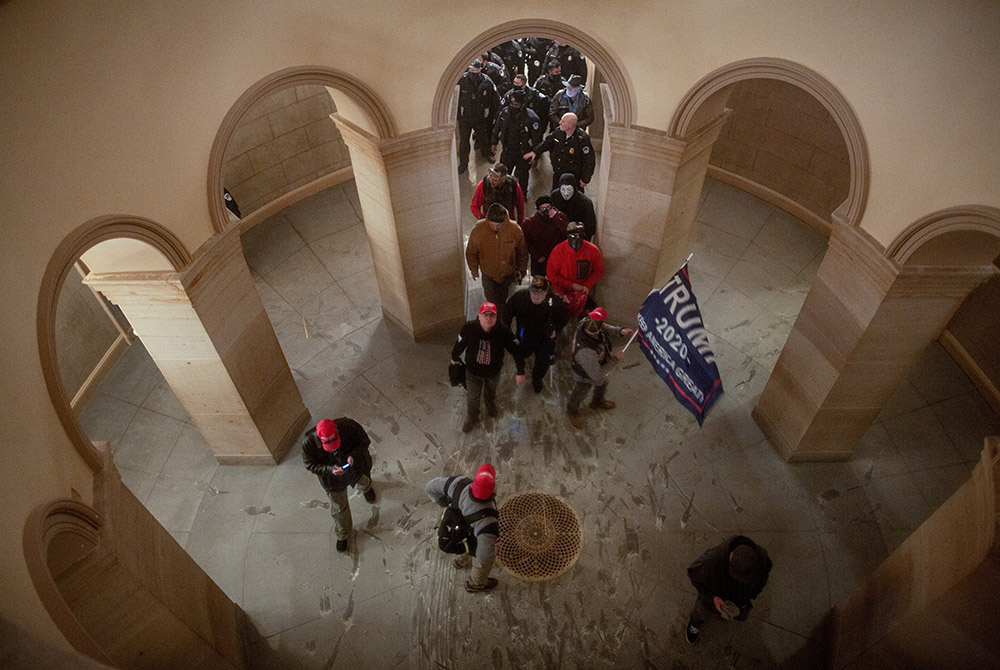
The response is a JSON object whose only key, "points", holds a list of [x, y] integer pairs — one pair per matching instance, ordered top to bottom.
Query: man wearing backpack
{"points": [[476, 504]]}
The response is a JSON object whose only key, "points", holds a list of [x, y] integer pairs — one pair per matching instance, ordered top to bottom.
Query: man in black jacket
{"points": [[477, 108], [518, 130], [571, 152], [570, 200], [537, 315], [483, 343], [336, 451], [728, 578]]}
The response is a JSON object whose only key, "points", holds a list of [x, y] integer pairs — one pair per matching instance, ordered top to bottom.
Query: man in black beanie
{"points": [[543, 230], [728, 578]]}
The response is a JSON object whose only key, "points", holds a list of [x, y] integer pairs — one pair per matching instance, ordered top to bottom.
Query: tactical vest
{"points": [[504, 194], [581, 340]]}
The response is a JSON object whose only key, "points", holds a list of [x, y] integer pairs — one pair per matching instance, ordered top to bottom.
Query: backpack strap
{"points": [[493, 528]]}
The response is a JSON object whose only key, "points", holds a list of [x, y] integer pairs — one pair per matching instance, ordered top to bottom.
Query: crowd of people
{"points": [[556, 243]]}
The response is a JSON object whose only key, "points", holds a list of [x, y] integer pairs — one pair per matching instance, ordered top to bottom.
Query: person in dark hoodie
{"points": [[575, 205], [483, 343], [729, 576]]}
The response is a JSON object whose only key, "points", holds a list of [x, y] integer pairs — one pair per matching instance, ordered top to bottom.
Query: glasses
{"points": [[544, 210]]}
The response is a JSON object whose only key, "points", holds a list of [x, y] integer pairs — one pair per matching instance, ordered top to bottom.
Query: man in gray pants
{"points": [[593, 360], [473, 496]]}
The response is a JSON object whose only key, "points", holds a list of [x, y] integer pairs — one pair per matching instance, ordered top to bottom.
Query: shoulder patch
{"points": [[535, 125], [586, 150]]}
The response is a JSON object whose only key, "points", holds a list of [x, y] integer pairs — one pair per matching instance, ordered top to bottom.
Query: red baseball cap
{"points": [[487, 307], [598, 314], [326, 430], [484, 483]]}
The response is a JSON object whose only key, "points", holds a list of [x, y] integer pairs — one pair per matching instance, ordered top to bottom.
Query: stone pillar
{"points": [[408, 188], [648, 197], [862, 326], [207, 331], [933, 602]]}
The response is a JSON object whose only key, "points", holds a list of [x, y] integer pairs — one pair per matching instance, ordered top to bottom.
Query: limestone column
{"points": [[408, 188], [648, 197], [862, 326], [207, 331], [933, 602]]}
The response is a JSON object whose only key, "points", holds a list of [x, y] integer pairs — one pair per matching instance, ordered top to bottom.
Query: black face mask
{"points": [[575, 241]]}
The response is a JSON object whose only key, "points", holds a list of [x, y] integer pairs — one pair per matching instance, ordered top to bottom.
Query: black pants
{"points": [[481, 129], [518, 167], [497, 293]]}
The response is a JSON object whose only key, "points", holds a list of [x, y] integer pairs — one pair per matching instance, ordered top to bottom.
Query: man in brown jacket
{"points": [[497, 249]]}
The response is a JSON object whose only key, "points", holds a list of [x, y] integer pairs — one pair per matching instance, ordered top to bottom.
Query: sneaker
{"points": [[536, 385], [604, 404], [491, 409], [575, 420], [469, 424], [370, 495], [341, 546], [490, 584], [691, 633]]}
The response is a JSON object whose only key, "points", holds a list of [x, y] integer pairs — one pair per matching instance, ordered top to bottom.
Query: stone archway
{"points": [[707, 98], [368, 103], [442, 115], [66, 254]]}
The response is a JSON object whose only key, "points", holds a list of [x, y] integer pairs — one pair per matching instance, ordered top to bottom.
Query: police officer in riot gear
{"points": [[477, 108], [518, 129]]}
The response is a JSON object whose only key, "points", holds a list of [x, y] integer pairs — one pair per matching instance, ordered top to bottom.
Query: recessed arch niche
{"points": [[368, 104], [689, 117], [85, 237]]}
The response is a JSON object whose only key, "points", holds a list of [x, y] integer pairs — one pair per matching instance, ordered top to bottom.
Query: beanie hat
{"points": [[567, 178], [542, 200], [496, 212], [327, 432], [484, 483], [743, 564]]}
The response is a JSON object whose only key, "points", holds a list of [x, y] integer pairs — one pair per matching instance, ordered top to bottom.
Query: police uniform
{"points": [[535, 49], [512, 54], [571, 60], [537, 101], [477, 107], [518, 130], [573, 154]]}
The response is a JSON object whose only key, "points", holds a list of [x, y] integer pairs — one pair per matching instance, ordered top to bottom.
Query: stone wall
{"points": [[782, 138], [283, 142], [84, 332]]}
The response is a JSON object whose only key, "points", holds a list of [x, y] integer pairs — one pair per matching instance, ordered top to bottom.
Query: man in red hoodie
{"points": [[574, 268]]}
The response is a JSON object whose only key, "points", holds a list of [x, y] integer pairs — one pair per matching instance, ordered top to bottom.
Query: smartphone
{"points": [[345, 466]]}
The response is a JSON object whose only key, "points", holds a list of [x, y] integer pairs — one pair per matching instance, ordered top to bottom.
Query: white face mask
{"points": [[571, 91], [566, 191]]}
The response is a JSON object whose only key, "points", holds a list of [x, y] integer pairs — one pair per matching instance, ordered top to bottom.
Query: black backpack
{"points": [[455, 534]]}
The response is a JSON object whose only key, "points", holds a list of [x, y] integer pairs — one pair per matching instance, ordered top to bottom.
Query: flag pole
{"points": [[630, 340]]}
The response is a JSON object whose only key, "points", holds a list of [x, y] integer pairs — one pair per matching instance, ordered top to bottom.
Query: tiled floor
{"points": [[651, 488]]}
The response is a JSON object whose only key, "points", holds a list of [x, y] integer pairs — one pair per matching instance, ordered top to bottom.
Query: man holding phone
{"points": [[337, 452]]}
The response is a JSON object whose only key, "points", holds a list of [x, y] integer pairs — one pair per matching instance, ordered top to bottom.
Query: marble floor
{"points": [[651, 489]]}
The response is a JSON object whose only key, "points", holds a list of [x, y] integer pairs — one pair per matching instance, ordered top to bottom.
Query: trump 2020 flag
{"points": [[674, 339]]}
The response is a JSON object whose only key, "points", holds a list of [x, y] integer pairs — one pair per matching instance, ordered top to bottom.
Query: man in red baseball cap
{"points": [[483, 342], [593, 360], [336, 450], [476, 502]]}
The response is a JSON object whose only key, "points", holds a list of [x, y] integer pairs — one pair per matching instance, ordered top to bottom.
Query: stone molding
{"points": [[294, 76], [813, 83], [442, 112], [301, 193], [977, 218], [60, 264]]}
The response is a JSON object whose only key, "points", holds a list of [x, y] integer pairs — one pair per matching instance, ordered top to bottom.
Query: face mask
{"points": [[571, 91], [566, 191], [575, 242]]}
